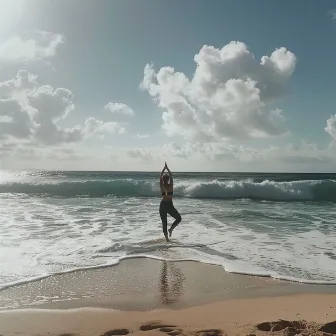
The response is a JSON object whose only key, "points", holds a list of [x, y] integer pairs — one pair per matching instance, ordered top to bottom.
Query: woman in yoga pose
{"points": [[166, 205]]}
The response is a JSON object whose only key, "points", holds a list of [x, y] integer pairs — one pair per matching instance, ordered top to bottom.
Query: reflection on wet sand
{"points": [[171, 283]]}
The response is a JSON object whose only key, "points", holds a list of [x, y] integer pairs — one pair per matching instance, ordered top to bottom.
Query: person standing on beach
{"points": [[166, 205]]}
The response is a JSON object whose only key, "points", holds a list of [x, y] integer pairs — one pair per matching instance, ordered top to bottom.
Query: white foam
{"points": [[305, 190], [287, 241], [205, 261]]}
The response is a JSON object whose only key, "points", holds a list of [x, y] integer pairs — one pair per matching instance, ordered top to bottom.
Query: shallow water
{"points": [[276, 225]]}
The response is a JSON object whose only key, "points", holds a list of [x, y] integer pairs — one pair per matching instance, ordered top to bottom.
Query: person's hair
{"points": [[165, 178]]}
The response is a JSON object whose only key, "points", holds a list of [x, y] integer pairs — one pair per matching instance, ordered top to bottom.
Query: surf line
{"points": [[222, 241]]}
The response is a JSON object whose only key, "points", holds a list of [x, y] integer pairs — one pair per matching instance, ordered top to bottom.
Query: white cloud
{"points": [[332, 13], [42, 45], [23, 82], [227, 96], [55, 104], [119, 108], [32, 112], [15, 121], [94, 126], [331, 126], [49, 133], [142, 136], [175, 150], [141, 154]]}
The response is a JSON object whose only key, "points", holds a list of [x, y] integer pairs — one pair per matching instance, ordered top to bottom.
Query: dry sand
{"points": [[160, 298], [230, 317]]}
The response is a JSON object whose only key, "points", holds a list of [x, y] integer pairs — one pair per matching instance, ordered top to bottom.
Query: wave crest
{"points": [[304, 190]]}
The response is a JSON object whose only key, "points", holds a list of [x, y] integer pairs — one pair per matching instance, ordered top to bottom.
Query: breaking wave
{"points": [[303, 190]]}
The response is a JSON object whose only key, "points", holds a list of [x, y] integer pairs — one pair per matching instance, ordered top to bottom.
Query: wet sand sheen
{"points": [[146, 284], [162, 298]]}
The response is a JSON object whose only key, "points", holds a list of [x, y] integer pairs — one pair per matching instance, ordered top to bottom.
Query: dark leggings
{"points": [[167, 207]]}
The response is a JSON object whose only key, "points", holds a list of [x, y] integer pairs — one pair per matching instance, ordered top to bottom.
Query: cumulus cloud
{"points": [[42, 45], [23, 82], [227, 96], [56, 103], [119, 108], [32, 112], [15, 120], [95, 126], [331, 126], [178, 151], [141, 154]]}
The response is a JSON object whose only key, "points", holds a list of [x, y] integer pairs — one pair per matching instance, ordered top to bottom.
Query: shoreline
{"points": [[131, 257], [147, 284], [140, 297]]}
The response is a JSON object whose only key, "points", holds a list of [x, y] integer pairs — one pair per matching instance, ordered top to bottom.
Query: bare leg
{"points": [[175, 214], [163, 216], [164, 229]]}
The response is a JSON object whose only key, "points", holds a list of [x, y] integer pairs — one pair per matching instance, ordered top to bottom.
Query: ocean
{"points": [[274, 225]]}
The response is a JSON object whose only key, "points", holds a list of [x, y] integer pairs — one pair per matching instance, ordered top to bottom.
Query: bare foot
{"points": [[170, 232]]}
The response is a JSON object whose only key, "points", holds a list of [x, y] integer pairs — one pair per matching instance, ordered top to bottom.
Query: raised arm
{"points": [[170, 175], [161, 181]]}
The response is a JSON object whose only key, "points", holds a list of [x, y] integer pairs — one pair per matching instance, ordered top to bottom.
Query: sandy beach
{"points": [[167, 168], [144, 296], [305, 314]]}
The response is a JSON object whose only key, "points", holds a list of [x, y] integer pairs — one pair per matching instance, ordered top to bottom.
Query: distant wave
{"points": [[304, 190]]}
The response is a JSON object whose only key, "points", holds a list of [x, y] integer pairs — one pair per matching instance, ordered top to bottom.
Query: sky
{"points": [[221, 85]]}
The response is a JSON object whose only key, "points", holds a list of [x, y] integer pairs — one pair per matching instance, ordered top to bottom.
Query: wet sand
{"points": [[145, 284], [189, 296]]}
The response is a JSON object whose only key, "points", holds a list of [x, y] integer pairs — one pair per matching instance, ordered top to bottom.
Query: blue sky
{"points": [[98, 51]]}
